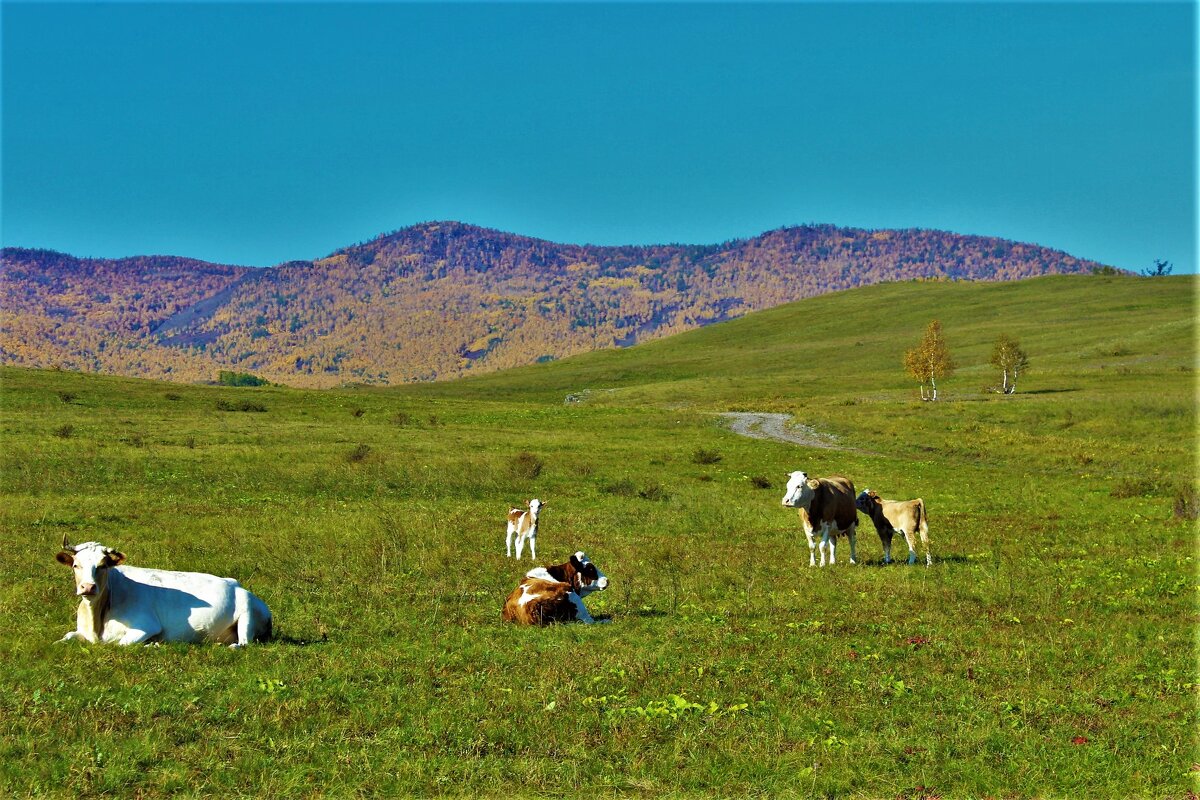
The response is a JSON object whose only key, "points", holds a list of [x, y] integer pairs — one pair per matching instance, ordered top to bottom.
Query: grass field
{"points": [[1048, 652]]}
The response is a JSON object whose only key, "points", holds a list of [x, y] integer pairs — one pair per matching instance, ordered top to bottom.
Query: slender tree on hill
{"points": [[1159, 269], [1008, 356], [930, 360]]}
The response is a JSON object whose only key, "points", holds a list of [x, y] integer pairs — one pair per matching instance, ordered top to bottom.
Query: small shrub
{"points": [[228, 378], [172, 396], [67, 397], [245, 405], [358, 412], [402, 418], [434, 421], [64, 432], [135, 440], [190, 442], [358, 454], [702, 456], [525, 466], [705, 478], [759, 482], [1139, 487], [621, 488], [654, 491], [1187, 504]]}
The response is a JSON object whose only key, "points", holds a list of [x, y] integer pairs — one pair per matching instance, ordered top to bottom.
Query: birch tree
{"points": [[1008, 356], [930, 360]]}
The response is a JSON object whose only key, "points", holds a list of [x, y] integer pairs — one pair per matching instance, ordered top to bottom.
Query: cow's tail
{"points": [[923, 529]]}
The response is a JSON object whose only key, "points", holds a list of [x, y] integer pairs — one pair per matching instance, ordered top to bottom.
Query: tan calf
{"points": [[906, 516]]}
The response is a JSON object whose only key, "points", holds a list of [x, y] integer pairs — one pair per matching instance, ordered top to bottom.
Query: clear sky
{"points": [[258, 133]]}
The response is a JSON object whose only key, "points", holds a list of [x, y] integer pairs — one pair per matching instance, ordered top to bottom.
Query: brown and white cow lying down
{"points": [[826, 505], [906, 516], [555, 593]]}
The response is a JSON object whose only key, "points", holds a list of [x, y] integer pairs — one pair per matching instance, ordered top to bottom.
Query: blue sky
{"points": [[259, 133]]}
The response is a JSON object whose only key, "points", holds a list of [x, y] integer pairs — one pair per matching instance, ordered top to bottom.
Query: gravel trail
{"points": [[762, 425]]}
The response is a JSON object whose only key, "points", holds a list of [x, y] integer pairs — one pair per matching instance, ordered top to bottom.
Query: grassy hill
{"points": [[1047, 652]]}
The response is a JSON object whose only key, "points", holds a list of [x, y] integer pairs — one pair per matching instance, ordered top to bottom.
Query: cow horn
{"points": [[67, 545]]}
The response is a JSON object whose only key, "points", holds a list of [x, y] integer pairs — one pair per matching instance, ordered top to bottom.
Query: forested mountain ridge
{"points": [[443, 299]]}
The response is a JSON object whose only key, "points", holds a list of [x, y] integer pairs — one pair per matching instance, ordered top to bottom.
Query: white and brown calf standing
{"points": [[826, 505], [906, 516], [523, 524], [555, 593]]}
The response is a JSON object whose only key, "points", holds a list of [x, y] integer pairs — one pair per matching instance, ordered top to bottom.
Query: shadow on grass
{"points": [[1047, 391], [920, 562], [296, 641]]}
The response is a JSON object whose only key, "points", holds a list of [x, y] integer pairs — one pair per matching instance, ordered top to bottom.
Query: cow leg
{"points": [[852, 535], [885, 539], [508, 541], [824, 543], [520, 545], [812, 546], [533, 548], [912, 551], [72, 635], [139, 635]]}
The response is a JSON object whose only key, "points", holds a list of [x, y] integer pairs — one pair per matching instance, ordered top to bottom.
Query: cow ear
{"points": [[813, 483], [64, 557], [113, 558], [575, 562]]}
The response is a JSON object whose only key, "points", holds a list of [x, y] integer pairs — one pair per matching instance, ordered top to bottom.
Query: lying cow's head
{"points": [[800, 490], [866, 501], [91, 561], [587, 577]]}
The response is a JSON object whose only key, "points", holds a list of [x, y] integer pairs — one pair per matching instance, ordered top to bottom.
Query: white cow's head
{"points": [[799, 491], [535, 506], [91, 561], [588, 578]]}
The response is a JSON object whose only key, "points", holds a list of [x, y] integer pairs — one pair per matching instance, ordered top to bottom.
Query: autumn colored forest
{"points": [[443, 299]]}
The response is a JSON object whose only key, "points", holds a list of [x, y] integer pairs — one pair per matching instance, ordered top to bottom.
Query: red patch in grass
{"points": [[916, 641], [852, 655], [1080, 740]]}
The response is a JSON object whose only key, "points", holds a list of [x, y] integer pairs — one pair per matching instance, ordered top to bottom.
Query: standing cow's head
{"points": [[799, 491], [866, 501], [535, 506], [91, 561], [587, 578]]}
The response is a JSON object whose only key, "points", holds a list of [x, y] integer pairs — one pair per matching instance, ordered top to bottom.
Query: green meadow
{"points": [[1048, 652]]}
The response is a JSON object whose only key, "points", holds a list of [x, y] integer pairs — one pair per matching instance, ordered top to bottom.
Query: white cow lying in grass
{"points": [[523, 525], [130, 605]]}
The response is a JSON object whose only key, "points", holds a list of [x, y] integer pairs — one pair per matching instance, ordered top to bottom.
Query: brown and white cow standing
{"points": [[826, 505], [906, 516], [523, 524], [555, 594]]}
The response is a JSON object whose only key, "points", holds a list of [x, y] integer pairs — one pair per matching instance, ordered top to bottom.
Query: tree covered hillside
{"points": [[444, 299]]}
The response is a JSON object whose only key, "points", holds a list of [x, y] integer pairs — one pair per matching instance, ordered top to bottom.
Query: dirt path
{"points": [[761, 425]]}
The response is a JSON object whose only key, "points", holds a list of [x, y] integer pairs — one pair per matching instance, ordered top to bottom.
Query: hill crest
{"points": [[444, 299]]}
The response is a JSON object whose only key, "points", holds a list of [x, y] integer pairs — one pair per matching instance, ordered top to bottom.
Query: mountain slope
{"points": [[441, 300]]}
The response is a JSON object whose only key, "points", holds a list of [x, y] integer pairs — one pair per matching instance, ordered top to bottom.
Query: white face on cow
{"points": [[798, 493], [535, 506], [90, 562], [590, 579]]}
